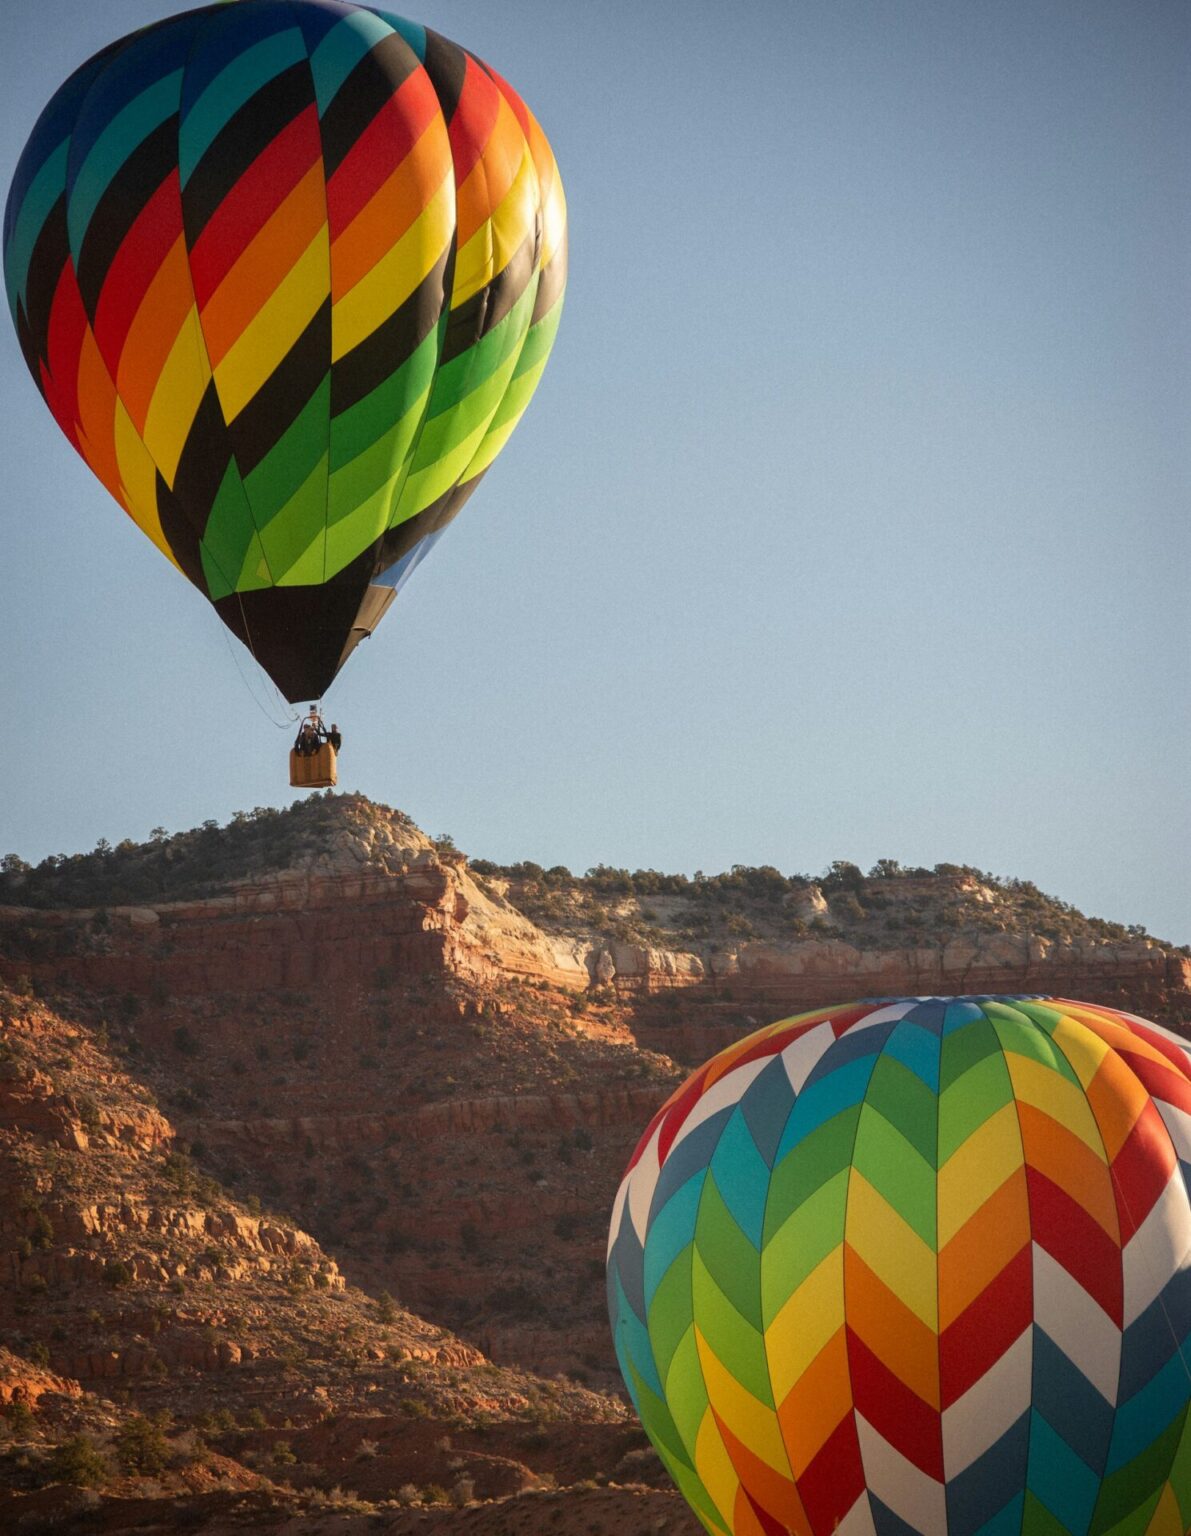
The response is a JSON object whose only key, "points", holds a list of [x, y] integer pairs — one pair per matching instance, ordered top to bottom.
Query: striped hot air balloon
{"points": [[287, 273], [918, 1266]]}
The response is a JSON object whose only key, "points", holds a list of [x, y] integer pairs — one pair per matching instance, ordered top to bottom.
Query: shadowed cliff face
{"points": [[314, 1062]]}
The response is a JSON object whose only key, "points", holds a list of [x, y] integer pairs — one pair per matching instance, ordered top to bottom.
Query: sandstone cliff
{"points": [[256, 1082]]}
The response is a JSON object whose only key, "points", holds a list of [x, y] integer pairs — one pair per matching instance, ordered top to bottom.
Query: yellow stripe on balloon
{"points": [[391, 210], [300, 219], [554, 220], [497, 240], [391, 281], [281, 320], [177, 397], [96, 416], [138, 477], [1112, 1035], [1083, 1048], [1042, 1087], [971, 1175], [892, 1249], [807, 1321], [817, 1404], [752, 1422], [715, 1469], [1166, 1521]]}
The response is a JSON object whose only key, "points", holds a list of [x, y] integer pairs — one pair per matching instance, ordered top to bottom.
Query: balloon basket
{"points": [[319, 770]]}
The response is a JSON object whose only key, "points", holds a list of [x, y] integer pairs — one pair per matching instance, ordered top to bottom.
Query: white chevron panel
{"points": [[890, 1011], [802, 1056], [728, 1090], [1178, 1127], [641, 1184], [617, 1213], [1159, 1248], [1074, 1321], [989, 1408], [909, 1492], [858, 1521]]}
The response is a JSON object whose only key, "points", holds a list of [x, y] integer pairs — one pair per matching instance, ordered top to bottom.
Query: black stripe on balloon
{"points": [[446, 64], [373, 81], [241, 141], [122, 203], [51, 254], [552, 282], [510, 283], [485, 310], [464, 326], [28, 346], [379, 356], [284, 394], [206, 455], [180, 535], [400, 540], [298, 634]]}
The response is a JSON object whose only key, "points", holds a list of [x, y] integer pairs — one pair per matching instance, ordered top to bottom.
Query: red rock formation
{"points": [[302, 929], [23, 1382]]}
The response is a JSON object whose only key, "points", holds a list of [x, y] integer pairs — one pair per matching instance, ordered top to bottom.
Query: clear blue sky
{"points": [[850, 520]]}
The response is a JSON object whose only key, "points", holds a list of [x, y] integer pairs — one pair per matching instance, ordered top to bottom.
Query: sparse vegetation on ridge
{"points": [[187, 865], [890, 906]]}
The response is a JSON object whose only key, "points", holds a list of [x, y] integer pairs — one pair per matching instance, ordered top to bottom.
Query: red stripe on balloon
{"points": [[520, 110], [473, 120], [380, 149], [253, 200], [135, 265], [64, 344], [1173, 1053], [1159, 1081], [1142, 1168], [1063, 1228], [984, 1332], [899, 1415], [834, 1480], [769, 1526]]}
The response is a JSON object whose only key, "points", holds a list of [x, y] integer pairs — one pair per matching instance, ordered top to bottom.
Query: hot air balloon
{"points": [[287, 273], [918, 1266]]}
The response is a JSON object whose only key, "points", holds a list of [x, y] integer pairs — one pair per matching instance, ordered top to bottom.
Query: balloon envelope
{"points": [[287, 273], [918, 1266]]}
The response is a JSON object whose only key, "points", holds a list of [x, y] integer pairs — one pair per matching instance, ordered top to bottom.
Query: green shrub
{"points": [[20, 1419], [141, 1445], [77, 1461]]}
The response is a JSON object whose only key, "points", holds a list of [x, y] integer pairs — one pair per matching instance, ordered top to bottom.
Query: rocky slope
{"points": [[256, 1082], [140, 1301]]}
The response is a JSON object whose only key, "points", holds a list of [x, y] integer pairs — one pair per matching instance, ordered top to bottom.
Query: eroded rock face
{"points": [[363, 893], [30, 1102], [23, 1382]]}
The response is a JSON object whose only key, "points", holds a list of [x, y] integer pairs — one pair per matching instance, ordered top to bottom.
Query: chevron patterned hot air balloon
{"points": [[287, 273], [919, 1266]]}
